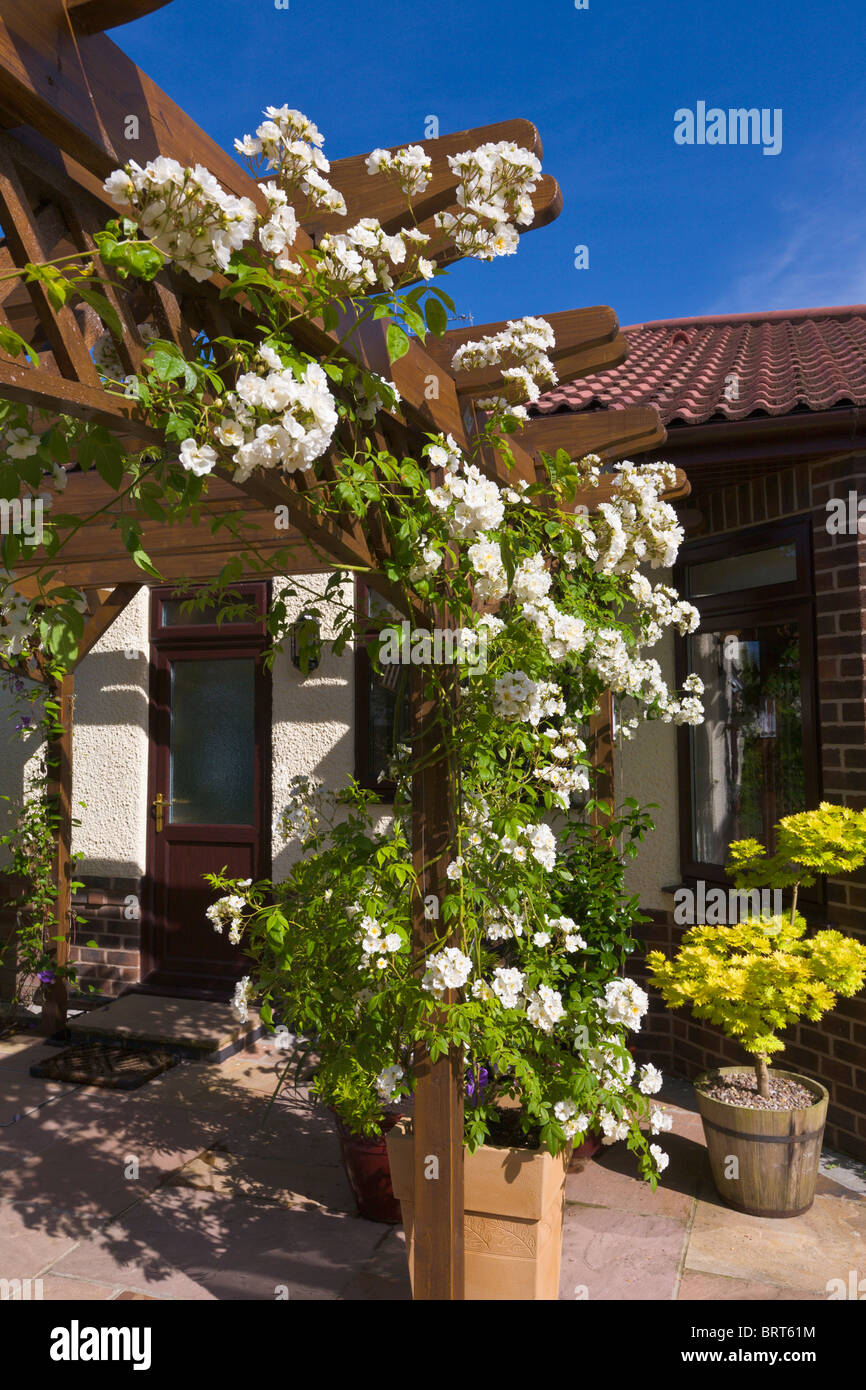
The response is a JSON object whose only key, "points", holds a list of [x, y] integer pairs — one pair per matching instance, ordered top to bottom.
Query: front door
{"points": [[209, 786]]}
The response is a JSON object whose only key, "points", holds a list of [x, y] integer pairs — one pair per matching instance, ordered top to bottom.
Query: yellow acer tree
{"points": [[758, 977]]}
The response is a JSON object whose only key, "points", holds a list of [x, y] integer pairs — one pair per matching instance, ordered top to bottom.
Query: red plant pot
{"points": [[588, 1149], [369, 1172]]}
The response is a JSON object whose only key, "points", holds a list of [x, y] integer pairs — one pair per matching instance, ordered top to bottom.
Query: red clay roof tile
{"points": [[731, 367]]}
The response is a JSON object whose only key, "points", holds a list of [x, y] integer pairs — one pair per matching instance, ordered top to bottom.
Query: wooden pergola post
{"points": [[105, 607], [602, 753], [58, 757], [438, 1114]]}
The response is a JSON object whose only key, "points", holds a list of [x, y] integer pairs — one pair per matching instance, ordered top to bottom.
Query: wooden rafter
{"points": [[92, 16], [588, 336], [610, 433]]}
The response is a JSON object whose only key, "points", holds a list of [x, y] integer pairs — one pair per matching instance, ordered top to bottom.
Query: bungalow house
{"points": [[765, 414], [184, 746]]}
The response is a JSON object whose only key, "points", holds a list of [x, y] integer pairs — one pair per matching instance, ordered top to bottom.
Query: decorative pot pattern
{"points": [[514, 1200]]}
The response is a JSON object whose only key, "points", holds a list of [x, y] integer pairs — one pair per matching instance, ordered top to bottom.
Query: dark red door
{"points": [[209, 762]]}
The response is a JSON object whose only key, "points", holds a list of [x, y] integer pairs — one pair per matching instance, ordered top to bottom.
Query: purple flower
{"points": [[25, 722], [47, 977], [477, 1082]]}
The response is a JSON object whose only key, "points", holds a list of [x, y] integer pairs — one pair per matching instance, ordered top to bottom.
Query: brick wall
{"points": [[112, 912], [833, 1051]]}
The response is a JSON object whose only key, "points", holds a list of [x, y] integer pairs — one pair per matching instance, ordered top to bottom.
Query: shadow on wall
{"points": [[109, 762], [333, 768]]}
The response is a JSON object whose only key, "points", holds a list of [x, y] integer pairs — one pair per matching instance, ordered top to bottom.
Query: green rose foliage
{"points": [[306, 936]]}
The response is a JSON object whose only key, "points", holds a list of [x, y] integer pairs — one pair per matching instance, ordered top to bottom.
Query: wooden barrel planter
{"points": [[777, 1151]]}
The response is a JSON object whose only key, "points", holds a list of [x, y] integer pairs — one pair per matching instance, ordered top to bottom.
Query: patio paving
{"points": [[176, 1191]]}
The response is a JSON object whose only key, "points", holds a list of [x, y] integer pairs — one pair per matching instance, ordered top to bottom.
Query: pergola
{"points": [[66, 95]]}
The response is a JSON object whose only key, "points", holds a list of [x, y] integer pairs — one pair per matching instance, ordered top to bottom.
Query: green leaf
{"points": [[129, 257], [57, 288], [446, 298], [101, 306], [437, 319], [415, 321], [397, 342], [13, 343], [166, 365], [177, 428], [58, 445], [101, 450], [30, 470], [10, 482], [142, 559]]}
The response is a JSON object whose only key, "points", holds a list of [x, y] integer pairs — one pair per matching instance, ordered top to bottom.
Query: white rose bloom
{"points": [[197, 459], [448, 969], [507, 985], [650, 1079], [388, 1082], [661, 1158]]}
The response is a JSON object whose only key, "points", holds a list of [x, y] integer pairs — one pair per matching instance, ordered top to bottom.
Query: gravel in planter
{"points": [[741, 1088]]}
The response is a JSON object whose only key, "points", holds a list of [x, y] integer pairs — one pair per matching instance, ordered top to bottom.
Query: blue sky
{"points": [[672, 230]]}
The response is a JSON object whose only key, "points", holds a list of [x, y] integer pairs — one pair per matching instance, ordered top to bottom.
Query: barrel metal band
{"points": [[765, 1138]]}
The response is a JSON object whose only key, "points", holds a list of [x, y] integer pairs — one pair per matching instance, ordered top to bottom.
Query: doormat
{"points": [[107, 1064]]}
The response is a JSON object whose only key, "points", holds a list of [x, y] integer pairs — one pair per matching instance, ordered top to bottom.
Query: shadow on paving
{"points": [[178, 1189]]}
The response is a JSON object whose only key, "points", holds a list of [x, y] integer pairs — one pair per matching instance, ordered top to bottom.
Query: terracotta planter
{"points": [[588, 1149], [777, 1151], [368, 1171], [514, 1200]]}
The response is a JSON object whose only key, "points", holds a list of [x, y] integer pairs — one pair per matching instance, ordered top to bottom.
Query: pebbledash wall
{"points": [[313, 732], [833, 1051]]}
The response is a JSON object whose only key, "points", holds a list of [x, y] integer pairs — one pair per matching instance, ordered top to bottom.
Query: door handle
{"points": [[160, 803]]}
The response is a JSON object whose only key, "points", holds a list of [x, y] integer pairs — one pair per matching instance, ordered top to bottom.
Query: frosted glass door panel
{"points": [[212, 754]]}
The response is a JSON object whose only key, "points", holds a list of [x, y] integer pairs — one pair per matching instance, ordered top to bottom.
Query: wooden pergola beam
{"points": [[92, 16], [378, 195], [36, 386], [609, 433], [102, 617]]}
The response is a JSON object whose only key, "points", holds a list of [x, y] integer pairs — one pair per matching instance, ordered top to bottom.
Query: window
{"points": [[381, 699], [755, 757]]}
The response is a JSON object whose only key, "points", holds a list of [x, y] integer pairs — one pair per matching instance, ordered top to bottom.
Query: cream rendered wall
{"points": [[313, 716], [110, 747], [109, 750], [646, 768]]}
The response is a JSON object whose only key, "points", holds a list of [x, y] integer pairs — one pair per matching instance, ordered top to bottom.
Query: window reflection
{"points": [[747, 757]]}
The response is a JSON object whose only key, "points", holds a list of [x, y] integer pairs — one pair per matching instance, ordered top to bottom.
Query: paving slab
{"points": [[207, 1027], [22, 1094], [611, 1179], [289, 1181], [30, 1240], [203, 1245], [800, 1252], [613, 1255], [385, 1276], [718, 1288], [56, 1289]]}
